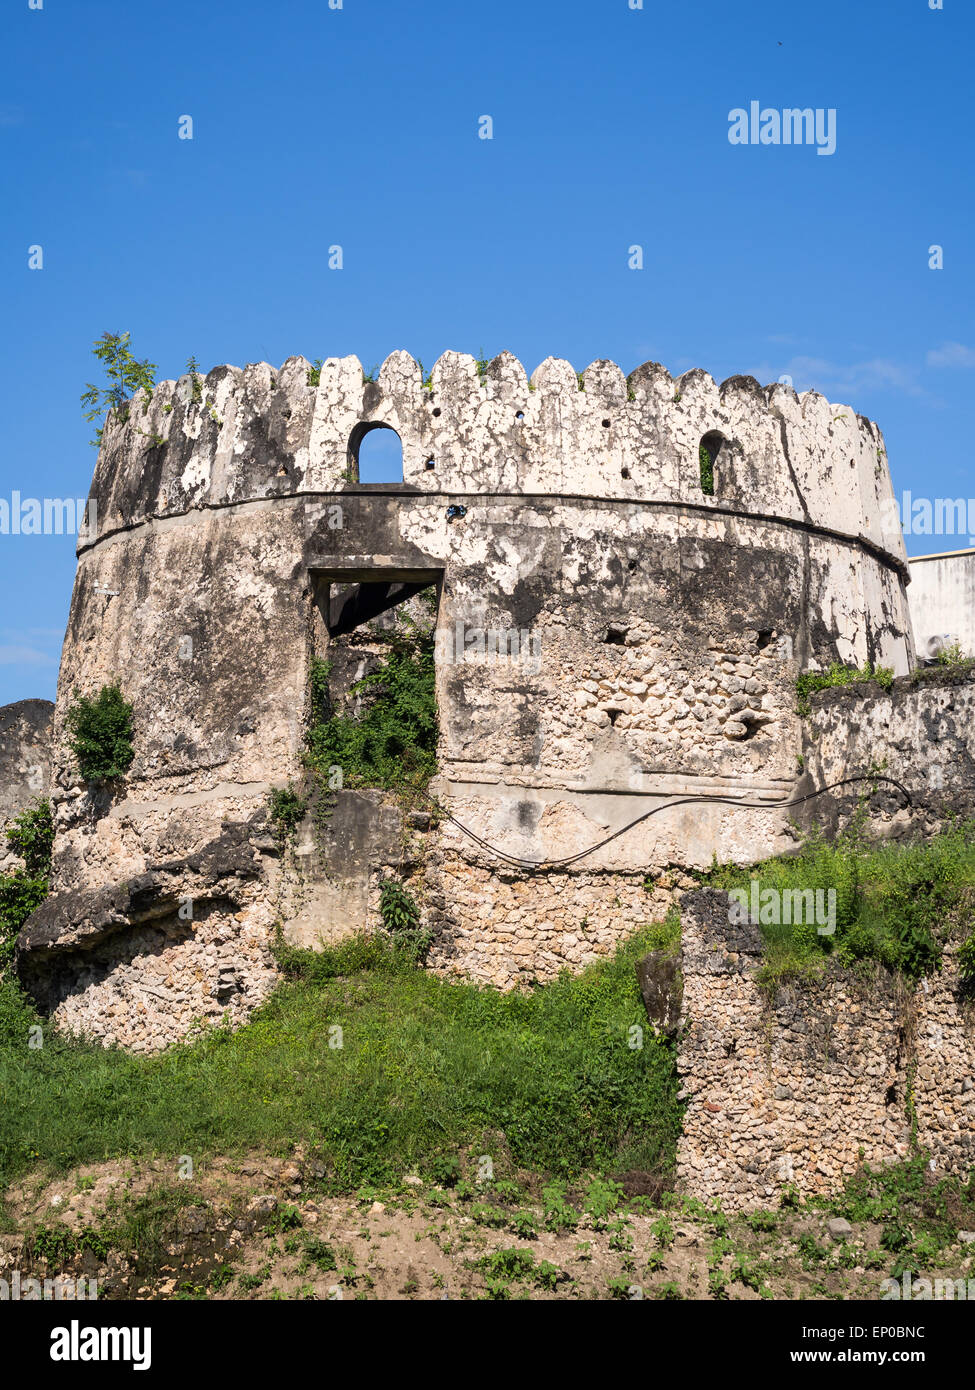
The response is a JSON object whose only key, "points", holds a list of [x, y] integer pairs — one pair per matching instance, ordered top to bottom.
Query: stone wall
{"points": [[241, 434], [921, 731], [25, 762], [509, 929], [184, 943], [800, 1087]]}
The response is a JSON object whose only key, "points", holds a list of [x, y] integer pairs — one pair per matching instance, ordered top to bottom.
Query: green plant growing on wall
{"points": [[193, 371], [126, 375], [314, 376], [706, 463], [953, 656], [839, 674], [101, 735], [392, 743], [286, 810], [31, 836], [895, 903], [397, 907], [401, 918], [966, 964]]}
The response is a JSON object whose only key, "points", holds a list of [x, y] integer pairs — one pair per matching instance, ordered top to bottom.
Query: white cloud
{"points": [[951, 355], [851, 379], [25, 656]]}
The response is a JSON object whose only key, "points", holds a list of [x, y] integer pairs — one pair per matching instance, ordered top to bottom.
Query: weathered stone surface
{"points": [[921, 731], [25, 762], [140, 960], [661, 986], [801, 1086]]}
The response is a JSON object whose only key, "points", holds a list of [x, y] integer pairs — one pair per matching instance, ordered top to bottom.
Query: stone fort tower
{"points": [[662, 628]]}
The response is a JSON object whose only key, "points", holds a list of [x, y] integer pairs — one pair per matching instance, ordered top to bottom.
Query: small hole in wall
{"points": [[436, 410], [520, 415], [605, 424], [853, 463], [430, 464], [624, 472], [616, 635], [764, 638], [614, 714]]}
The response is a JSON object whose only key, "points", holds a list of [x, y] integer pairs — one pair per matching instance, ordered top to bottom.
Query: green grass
{"points": [[838, 674], [896, 903], [428, 1069]]}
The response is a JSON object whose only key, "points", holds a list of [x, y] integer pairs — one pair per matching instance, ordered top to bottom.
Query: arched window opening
{"points": [[707, 454], [375, 455]]}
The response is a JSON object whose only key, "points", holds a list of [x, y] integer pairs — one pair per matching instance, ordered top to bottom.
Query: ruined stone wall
{"points": [[665, 630], [920, 731], [25, 763], [944, 1079], [800, 1087]]}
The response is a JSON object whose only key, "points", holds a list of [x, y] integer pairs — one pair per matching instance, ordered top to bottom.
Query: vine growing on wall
{"points": [[285, 810], [31, 836]]}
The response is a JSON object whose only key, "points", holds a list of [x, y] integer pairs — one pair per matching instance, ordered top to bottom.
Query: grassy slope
{"points": [[546, 1081]]}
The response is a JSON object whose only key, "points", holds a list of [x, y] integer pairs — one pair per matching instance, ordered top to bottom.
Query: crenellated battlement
{"points": [[239, 435]]}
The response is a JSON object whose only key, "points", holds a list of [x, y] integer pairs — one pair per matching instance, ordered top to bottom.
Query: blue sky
{"points": [[359, 126]]}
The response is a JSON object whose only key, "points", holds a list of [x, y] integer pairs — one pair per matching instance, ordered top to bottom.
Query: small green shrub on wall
{"points": [[101, 735], [286, 809], [31, 835], [397, 907], [401, 918]]}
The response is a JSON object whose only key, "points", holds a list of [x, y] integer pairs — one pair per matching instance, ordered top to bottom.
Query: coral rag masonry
{"points": [[617, 627], [799, 1086]]}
